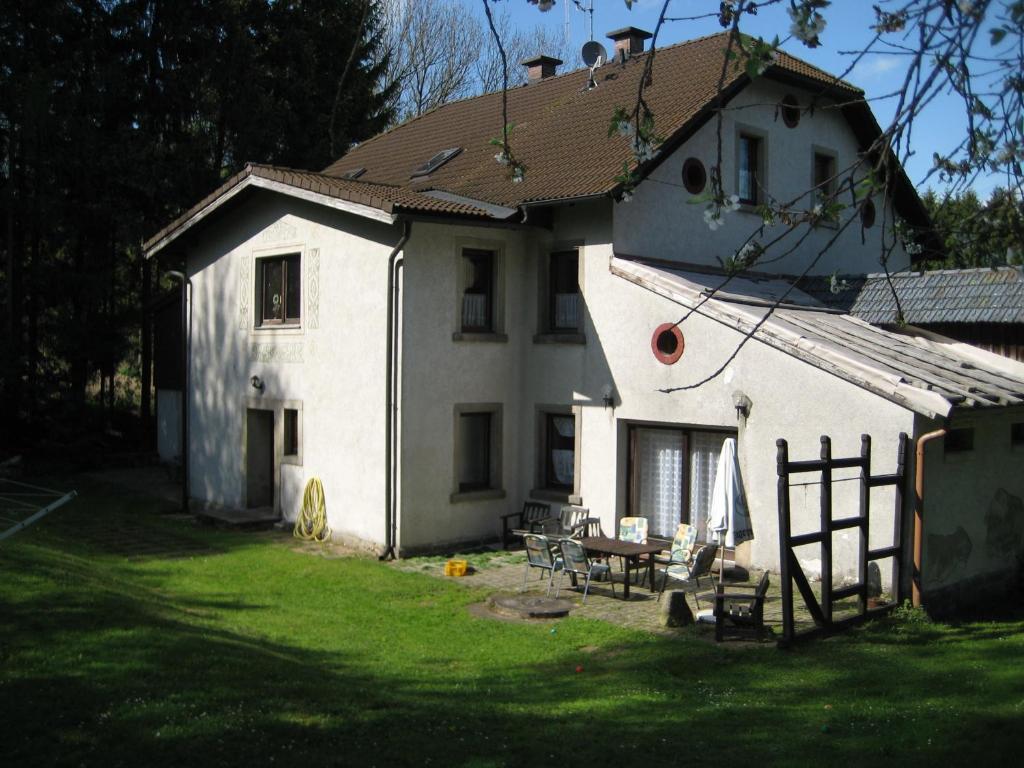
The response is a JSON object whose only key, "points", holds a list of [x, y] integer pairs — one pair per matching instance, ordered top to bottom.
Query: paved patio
{"points": [[503, 573]]}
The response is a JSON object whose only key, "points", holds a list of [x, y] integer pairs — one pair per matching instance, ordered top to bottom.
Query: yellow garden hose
{"points": [[311, 524]]}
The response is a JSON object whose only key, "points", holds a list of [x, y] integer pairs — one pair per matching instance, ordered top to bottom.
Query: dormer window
{"points": [[436, 161]]}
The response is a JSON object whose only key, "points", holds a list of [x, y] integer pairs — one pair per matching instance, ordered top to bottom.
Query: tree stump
{"points": [[675, 611]]}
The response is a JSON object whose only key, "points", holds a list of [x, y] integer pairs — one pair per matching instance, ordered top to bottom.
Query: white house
{"points": [[438, 344]]}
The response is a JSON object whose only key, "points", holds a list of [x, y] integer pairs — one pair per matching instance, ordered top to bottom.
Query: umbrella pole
{"points": [[721, 564]]}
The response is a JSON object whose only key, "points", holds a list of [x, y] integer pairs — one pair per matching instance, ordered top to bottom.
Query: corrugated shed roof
{"points": [[561, 126], [946, 296], [923, 372]]}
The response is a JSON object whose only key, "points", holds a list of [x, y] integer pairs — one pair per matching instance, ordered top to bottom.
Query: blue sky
{"points": [[939, 129]]}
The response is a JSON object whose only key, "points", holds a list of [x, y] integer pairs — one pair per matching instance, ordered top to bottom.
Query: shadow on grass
{"points": [[110, 663]]}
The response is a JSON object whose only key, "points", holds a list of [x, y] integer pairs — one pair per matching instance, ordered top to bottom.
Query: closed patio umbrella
{"points": [[728, 518]]}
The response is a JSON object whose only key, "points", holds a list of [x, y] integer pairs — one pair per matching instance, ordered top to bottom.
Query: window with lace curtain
{"points": [[564, 292], [558, 452], [672, 476]]}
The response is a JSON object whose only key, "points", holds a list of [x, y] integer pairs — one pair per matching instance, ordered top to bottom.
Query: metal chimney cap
{"points": [[618, 34], [541, 60]]}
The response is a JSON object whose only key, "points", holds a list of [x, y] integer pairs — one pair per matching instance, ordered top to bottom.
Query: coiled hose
{"points": [[311, 525]]}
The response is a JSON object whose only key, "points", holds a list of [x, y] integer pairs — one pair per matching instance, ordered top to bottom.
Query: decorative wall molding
{"points": [[279, 231], [313, 289], [245, 319], [276, 353]]}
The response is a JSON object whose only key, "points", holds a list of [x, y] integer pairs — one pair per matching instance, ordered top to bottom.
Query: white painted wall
{"points": [[660, 222], [334, 366], [791, 399]]}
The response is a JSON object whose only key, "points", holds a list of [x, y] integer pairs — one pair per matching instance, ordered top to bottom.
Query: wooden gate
{"points": [[790, 568]]}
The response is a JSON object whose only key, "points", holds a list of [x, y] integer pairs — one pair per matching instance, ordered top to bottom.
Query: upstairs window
{"points": [[751, 163], [824, 175], [564, 292], [478, 295], [279, 299]]}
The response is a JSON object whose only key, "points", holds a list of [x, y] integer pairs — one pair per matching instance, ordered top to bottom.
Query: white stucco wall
{"points": [[660, 222], [332, 367], [790, 398], [974, 502]]}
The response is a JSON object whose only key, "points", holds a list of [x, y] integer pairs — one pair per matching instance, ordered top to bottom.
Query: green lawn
{"points": [[127, 638]]}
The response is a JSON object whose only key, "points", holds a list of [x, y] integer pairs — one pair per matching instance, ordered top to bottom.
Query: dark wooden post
{"points": [[147, 357], [901, 518], [865, 519], [826, 527], [788, 629]]}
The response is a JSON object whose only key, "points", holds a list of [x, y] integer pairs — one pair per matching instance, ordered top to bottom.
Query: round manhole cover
{"points": [[531, 606]]}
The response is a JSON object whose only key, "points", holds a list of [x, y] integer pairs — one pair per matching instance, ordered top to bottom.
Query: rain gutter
{"points": [[396, 262], [915, 586]]}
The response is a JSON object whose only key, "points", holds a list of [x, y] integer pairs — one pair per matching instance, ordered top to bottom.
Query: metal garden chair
{"points": [[539, 555], [576, 562], [691, 572]]}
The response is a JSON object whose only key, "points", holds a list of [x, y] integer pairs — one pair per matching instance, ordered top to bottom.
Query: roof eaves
{"points": [[271, 179], [927, 403]]}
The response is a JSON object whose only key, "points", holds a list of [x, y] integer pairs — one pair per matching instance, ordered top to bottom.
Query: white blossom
{"points": [[502, 158], [517, 174], [627, 196]]}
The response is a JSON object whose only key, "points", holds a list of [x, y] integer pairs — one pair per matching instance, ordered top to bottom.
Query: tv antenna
{"points": [[589, 9]]}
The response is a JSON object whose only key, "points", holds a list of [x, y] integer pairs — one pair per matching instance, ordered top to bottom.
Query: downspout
{"points": [[396, 261], [185, 284], [915, 585]]}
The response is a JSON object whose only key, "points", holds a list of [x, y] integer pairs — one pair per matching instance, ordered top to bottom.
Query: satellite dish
{"points": [[594, 54]]}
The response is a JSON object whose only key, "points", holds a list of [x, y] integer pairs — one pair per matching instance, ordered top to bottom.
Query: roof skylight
{"points": [[436, 161], [355, 173]]}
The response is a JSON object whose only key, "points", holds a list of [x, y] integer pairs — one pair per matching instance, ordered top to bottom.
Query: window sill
{"points": [[272, 329], [485, 337], [556, 337], [485, 494], [549, 494]]}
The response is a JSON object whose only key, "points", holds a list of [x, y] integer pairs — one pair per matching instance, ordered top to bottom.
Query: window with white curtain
{"points": [[705, 448], [673, 476]]}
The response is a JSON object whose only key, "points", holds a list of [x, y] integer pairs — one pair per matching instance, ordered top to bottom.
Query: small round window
{"points": [[790, 109], [695, 177], [867, 214], [667, 343]]}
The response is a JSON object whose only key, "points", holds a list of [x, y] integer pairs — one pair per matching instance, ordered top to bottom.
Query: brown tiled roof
{"points": [[561, 127], [561, 136], [383, 197]]}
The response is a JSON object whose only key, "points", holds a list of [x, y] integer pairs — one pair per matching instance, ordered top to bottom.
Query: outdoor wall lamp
{"points": [[257, 384], [607, 396], [742, 404]]}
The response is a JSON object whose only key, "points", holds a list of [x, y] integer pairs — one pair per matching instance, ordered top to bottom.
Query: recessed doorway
{"points": [[259, 458]]}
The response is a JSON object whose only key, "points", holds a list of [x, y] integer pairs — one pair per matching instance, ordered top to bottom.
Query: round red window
{"points": [[667, 343]]}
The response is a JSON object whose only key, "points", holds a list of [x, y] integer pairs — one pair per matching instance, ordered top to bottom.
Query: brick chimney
{"points": [[629, 41], [540, 67]]}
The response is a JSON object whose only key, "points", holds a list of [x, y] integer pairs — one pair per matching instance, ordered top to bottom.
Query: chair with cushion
{"points": [[634, 530], [681, 551], [539, 555], [576, 563], [691, 572], [743, 606]]}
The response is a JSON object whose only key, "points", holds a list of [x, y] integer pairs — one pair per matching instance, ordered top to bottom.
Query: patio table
{"points": [[630, 553]]}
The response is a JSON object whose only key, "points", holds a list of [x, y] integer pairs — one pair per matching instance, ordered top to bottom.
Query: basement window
{"points": [[436, 161], [279, 291], [959, 441]]}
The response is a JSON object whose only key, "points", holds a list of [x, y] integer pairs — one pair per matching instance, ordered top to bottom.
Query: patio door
{"points": [[671, 476], [657, 487]]}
